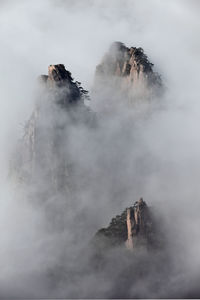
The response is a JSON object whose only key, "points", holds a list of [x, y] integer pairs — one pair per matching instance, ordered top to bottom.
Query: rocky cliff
{"points": [[127, 76], [59, 79], [42, 159], [134, 228]]}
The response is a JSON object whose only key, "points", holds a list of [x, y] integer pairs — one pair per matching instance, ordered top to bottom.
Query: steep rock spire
{"points": [[125, 75], [134, 228]]}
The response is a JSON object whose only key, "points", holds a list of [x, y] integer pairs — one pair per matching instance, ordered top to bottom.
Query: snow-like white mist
{"points": [[129, 155]]}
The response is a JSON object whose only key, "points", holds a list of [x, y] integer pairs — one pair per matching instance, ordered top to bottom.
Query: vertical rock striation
{"points": [[126, 75], [138, 224], [133, 229]]}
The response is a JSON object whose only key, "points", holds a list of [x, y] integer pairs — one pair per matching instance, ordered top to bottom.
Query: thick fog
{"points": [[153, 153]]}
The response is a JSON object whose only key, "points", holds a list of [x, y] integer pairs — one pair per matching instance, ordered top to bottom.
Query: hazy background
{"points": [[77, 33]]}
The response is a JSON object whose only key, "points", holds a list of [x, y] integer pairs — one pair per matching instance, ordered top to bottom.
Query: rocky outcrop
{"points": [[131, 63], [127, 74], [60, 81], [43, 153], [139, 224], [134, 228]]}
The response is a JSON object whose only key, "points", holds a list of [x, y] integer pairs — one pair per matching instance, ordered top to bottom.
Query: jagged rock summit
{"points": [[127, 62], [57, 74], [127, 74], [60, 80], [60, 104], [139, 224], [134, 228]]}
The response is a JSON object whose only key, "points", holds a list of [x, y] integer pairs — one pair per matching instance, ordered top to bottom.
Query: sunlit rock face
{"points": [[126, 76], [60, 82], [139, 225], [135, 228]]}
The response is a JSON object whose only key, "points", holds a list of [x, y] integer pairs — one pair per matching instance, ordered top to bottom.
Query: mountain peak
{"points": [[127, 62], [58, 73], [127, 73], [60, 81], [134, 228]]}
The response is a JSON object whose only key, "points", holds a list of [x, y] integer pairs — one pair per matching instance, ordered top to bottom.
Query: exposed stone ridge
{"points": [[128, 62], [58, 73], [127, 74], [59, 77], [139, 224], [133, 228]]}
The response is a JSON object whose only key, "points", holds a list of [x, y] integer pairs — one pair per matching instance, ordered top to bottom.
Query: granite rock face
{"points": [[128, 73], [59, 79], [139, 224], [134, 228]]}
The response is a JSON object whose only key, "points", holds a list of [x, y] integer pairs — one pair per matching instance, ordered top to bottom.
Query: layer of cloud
{"points": [[160, 158]]}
